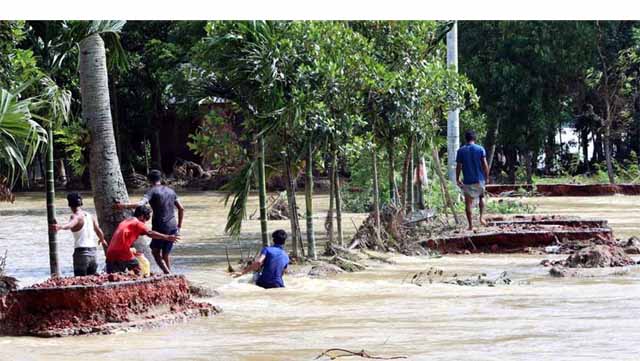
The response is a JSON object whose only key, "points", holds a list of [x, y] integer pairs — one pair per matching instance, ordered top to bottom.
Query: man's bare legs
{"points": [[468, 205], [482, 222], [165, 257], [160, 260]]}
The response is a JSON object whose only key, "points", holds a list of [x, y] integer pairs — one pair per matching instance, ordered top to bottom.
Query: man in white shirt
{"points": [[84, 228]]}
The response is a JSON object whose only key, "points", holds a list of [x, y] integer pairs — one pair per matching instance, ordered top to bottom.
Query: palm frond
{"points": [[20, 136], [238, 188]]}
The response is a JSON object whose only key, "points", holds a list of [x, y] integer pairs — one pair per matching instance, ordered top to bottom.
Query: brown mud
{"points": [[98, 304]]}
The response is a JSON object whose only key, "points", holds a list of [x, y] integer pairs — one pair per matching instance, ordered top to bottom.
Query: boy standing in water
{"points": [[472, 162], [163, 201], [84, 228], [120, 256], [273, 261]]}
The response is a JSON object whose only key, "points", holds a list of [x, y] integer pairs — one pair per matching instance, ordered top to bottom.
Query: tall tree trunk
{"points": [[116, 117], [453, 119], [584, 135], [490, 142], [607, 146], [419, 161], [528, 162], [406, 174], [106, 178], [444, 185], [393, 188], [336, 189], [376, 192], [262, 193], [51, 208], [328, 224], [296, 237], [311, 238]]}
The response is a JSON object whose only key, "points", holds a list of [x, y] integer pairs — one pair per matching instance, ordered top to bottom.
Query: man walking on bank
{"points": [[471, 161], [163, 201]]}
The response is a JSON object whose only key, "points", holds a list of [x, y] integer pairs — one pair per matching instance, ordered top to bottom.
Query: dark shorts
{"points": [[161, 244], [84, 262], [123, 266]]}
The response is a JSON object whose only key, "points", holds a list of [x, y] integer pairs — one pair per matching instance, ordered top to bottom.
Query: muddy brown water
{"points": [[537, 318]]}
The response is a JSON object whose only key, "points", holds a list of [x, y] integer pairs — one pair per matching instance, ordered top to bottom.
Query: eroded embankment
{"points": [[565, 190], [519, 233], [98, 304]]}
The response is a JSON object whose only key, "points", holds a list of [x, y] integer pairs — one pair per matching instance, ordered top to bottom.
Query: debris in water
{"points": [[349, 353]]}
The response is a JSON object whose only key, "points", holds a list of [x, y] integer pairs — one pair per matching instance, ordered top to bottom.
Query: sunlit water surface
{"points": [[537, 318]]}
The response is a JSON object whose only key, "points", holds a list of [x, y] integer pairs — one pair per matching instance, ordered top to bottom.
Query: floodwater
{"points": [[536, 318]]}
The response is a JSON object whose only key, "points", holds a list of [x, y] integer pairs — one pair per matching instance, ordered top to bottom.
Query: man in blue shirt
{"points": [[471, 161], [273, 260]]}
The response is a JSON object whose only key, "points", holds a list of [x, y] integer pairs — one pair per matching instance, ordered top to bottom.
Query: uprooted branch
{"points": [[348, 353]]}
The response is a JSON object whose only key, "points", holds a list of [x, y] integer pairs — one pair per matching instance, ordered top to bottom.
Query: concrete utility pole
{"points": [[453, 121]]}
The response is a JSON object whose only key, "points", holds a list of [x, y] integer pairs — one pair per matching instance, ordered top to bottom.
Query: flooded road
{"points": [[537, 318]]}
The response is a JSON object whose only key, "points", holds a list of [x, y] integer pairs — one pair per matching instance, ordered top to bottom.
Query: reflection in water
{"points": [[547, 319]]}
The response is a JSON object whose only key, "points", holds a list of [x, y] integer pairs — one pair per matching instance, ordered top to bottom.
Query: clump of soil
{"points": [[631, 246], [598, 256], [324, 270], [438, 275]]}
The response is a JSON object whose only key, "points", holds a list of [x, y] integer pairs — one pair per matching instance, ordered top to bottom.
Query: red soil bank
{"points": [[497, 189], [568, 190], [516, 234], [97, 304]]}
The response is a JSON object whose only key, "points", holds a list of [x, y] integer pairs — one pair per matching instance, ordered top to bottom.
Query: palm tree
{"points": [[107, 182]]}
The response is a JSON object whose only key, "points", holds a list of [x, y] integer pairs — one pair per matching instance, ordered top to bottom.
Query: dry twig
{"points": [[348, 353]]}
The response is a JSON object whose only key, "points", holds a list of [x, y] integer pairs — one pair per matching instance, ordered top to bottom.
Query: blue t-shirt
{"points": [[470, 156], [275, 262]]}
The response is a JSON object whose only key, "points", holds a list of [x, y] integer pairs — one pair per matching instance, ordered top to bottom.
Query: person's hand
{"points": [[487, 181], [459, 183], [118, 206], [54, 227], [178, 231], [173, 238], [103, 243], [237, 274]]}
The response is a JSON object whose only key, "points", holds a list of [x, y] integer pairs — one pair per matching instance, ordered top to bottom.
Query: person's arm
{"points": [[485, 168], [121, 206], [180, 214], [73, 221], [99, 233], [157, 235], [254, 266]]}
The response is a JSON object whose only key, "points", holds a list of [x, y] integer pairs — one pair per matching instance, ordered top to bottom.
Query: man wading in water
{"points": [[472, 162], [163, 201], [82, 226], [120, 257], [273, 260]]}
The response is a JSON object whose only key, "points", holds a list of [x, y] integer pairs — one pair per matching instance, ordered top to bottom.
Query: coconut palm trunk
{"points": [[106, 178], [262, 193], [51, 207]]}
